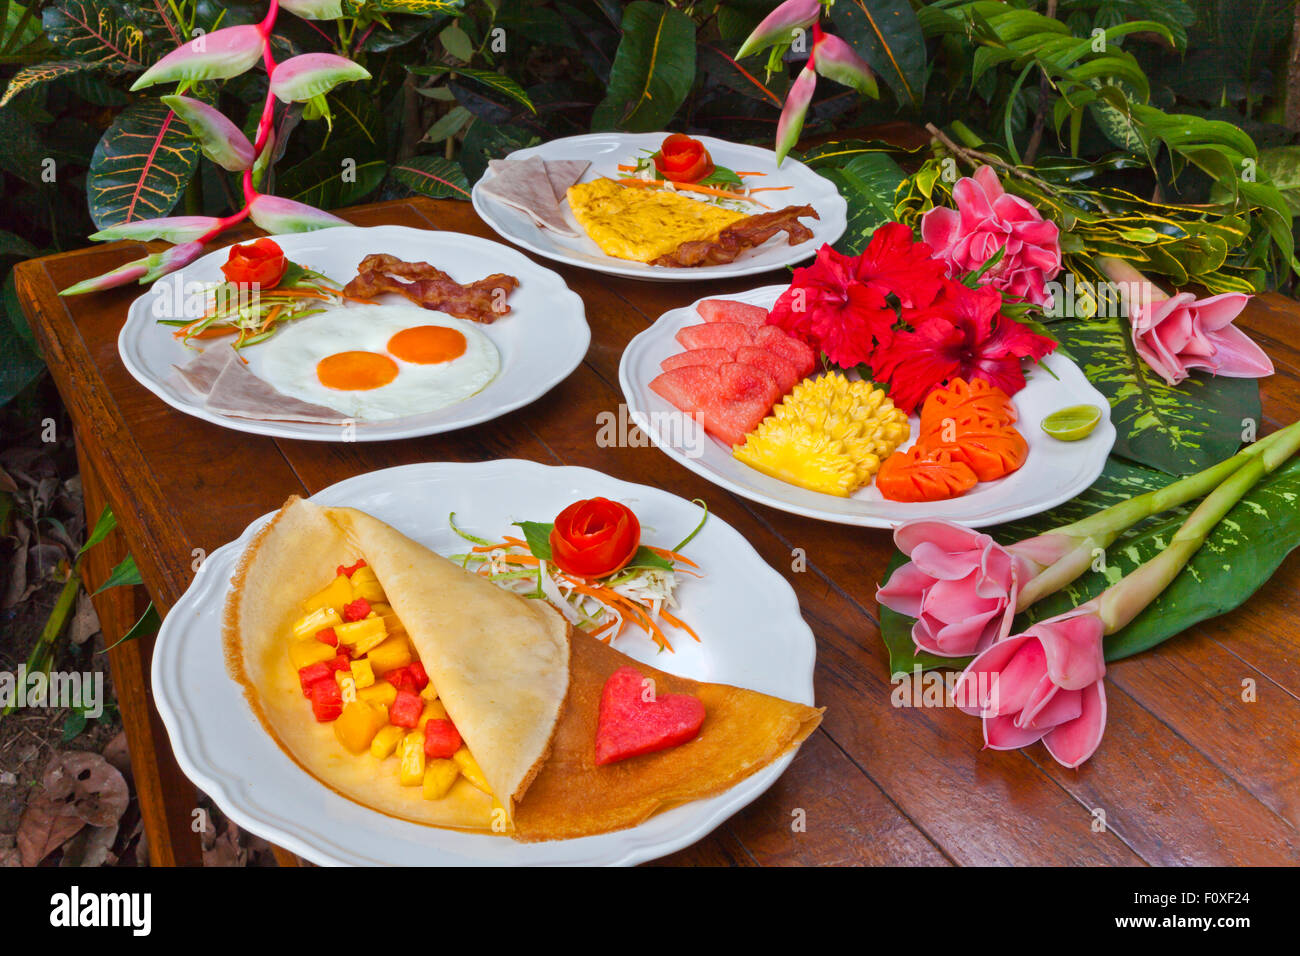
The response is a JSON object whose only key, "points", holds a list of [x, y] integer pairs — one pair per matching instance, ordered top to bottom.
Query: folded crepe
{"points": [[536, 187], [521, 686]]}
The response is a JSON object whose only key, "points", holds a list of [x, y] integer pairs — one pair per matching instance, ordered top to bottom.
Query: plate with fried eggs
{"points": [[794, 184], [386, 370]]}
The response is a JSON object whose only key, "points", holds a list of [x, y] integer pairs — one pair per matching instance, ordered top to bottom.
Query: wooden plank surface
{"points": [[1189, 771]]}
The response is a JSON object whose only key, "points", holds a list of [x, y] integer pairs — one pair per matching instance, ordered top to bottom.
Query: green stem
{"points": [[42, 656]]}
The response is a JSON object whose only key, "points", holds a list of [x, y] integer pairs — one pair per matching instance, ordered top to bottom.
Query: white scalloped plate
{"points": [[607, 150], [541, 341], [1055, 471], [747, 616]]}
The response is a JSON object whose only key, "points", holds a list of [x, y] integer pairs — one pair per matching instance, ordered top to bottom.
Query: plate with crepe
{"points": [[596, 201], [372, 334], [530, 701]]}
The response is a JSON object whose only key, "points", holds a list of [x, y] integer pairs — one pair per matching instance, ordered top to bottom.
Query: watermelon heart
{"points": [[629, 724]]}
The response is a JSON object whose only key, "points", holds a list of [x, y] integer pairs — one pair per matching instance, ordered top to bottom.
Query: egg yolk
{"points": [[427, 344], [355, 371]]}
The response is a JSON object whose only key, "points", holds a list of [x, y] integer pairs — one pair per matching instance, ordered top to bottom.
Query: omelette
{"points": [[643, 224], [515, 686]]}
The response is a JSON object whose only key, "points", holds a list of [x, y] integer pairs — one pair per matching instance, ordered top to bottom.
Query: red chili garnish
{"points": [[683, 160], [261, 262], [594, 538], [356, 610]]}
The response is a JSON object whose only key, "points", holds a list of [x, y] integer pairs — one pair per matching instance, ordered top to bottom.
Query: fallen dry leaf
{"points": [[85, 622], [118, 754], [94, 789], [46, 825], [93, 846]]}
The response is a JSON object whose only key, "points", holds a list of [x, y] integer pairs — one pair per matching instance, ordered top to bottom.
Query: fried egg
{"points": [[376, 362]]}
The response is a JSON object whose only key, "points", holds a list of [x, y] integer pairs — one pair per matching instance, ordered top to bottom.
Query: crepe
{"points": [[536, 187], [500, 663], [521, 686]]}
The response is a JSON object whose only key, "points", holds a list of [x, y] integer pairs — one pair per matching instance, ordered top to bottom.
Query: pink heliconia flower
{"points": [[314, 9], [779, 25], [219, 55], [837, 61], [304, 77], [790, 125], [221, 140], [276, 214], [988, 218], [171, 228], [162, 263], [147, 269], [1182, 332], [960, 585], [1045, 684]]}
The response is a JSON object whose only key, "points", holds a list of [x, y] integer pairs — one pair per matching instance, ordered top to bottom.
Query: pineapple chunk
{"points": [[828, 435], [366, 585], [337, 594], [317, 620], [362, 635], [308, 652], [390, 655], [362, 674], [430, 692], [378, 693], [433, 710], [358, 724], [386, 741], [411, 752], [470, 768], [439, 775]]}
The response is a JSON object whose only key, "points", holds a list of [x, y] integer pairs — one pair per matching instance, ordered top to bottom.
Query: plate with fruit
{"points": [[751, 408], [364, 681]]}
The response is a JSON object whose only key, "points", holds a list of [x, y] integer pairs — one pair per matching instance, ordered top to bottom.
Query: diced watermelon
{"points": [[726, 310], [716, 335], [787, 346], [696, 357], [778, 366], [441, 739]]}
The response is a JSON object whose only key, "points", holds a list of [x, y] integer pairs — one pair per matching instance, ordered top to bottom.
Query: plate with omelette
{"points": [[625, 204], [368, 334], [542, 767]]}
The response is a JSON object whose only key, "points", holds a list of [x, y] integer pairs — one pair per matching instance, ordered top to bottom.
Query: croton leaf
{"points": [[418, 8], [96, 32], [887, 34], [219, 55], [652, 71], [32, 76], [303, 78], [497, 82], [140, 166], [432, 176], [1178, 429], [1237, 558]]}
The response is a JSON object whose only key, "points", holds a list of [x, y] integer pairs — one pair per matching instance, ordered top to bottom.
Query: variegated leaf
{"points": [[418, 8], [96, 32], [33, 76], [141, 165], [433, 176], [868, 182], [1177, 429]]}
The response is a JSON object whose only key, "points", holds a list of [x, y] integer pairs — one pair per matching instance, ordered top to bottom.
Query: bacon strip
{"points": [[747, 233], [482, 301]]}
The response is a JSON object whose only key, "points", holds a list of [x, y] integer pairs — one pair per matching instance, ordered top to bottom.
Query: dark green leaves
{"points": [[97, 32], [888, 36], [652, 72], [497, 82], [141, 165], [432, 176], [867, 181], [1178, 429]]}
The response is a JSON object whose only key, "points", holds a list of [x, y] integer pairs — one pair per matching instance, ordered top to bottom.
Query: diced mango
{"points": [[366, 585], [337, 594], [317, 620], [362, 635], [308, 652], [390, 655], [363, 674], [347, 686], [430, 692], [380, 693], [433, 710], [358, 724], [386, 741], [411, 751], [465, 761], [439, 775]]}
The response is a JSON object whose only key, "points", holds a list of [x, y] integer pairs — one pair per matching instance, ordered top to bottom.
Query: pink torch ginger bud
{"points": [[779, 25], [218, 55], [835, 60], [305, 77], [790, 125], [221, 140], [276, 215]]}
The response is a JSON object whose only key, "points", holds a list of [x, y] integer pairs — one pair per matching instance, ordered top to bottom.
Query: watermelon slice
{"points": [[725, 310], [717, 335], [787, 346], [697, 357], [778, 366], [730, 399], [628, 725]]}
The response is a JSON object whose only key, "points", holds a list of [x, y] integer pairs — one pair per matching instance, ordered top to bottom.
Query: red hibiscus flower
{"points": [[895, 262], [961, 334]]}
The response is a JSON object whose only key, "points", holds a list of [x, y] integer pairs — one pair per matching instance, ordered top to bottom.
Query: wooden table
{"points": [[1188, 773]]}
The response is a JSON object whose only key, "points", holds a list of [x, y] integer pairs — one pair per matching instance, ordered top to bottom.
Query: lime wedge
{"points": [[1072, 423]]}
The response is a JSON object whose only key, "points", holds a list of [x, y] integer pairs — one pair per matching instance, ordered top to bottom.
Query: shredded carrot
{"points": [[749, 173], [691, 187], [769, 189], [272, 314], [215, 332], [671, 555], [678, 622]]}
